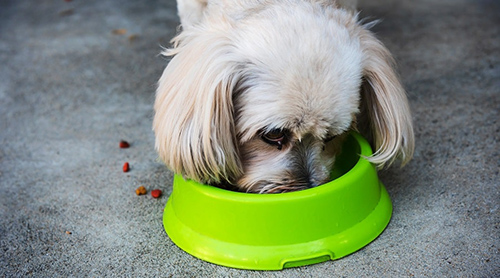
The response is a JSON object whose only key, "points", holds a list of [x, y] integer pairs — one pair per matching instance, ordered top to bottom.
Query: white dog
{"points": [[260, 93]]}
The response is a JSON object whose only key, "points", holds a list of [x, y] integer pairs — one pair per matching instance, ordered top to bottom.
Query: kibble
{"points": [[119, 31], [124, 144], [126, 167], [141, 190], [156, 193]]}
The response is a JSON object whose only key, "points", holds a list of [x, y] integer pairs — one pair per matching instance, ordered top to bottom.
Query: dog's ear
{"points": [[385, 114], [193, 121]]}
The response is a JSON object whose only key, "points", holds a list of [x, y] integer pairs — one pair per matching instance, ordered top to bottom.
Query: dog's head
{"points": [[263, 102]]}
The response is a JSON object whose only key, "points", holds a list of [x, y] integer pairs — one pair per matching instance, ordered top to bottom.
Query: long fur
{"points": [[241, 69], [193, 105], [388, 113]]}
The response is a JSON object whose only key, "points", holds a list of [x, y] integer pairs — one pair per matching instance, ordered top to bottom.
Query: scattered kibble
{"points": [[119, 31], [133, 37], [124, 144], [126, 167], [141, 190], [156, 193]]}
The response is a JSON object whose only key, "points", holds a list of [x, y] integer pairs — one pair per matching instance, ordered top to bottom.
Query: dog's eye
{"points": [[275, 137], [329, 138]]}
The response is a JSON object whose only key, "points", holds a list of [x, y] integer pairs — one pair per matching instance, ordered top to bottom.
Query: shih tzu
{"points": [[259, 94]]}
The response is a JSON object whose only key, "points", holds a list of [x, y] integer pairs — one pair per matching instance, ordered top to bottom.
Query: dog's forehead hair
{"points": [[308, 85], [302, 101], [301, 113], [305, 114]]}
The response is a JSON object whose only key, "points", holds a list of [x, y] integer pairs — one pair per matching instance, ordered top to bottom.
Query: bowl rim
{"points": [[364, 152]]}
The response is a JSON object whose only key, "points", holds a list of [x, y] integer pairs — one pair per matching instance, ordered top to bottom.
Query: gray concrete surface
{"points": [[70, 89]]}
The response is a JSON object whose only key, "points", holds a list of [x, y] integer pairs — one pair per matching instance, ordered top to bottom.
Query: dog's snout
{"points": [[310, 166]]}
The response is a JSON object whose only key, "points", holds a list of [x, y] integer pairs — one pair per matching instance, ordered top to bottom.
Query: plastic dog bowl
{"points": [[276, 231]]}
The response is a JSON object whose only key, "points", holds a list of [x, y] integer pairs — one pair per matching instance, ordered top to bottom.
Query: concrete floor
{"points": [[71, 89]]}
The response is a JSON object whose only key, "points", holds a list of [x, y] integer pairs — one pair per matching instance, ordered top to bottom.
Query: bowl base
{"points": [[279, 257]]}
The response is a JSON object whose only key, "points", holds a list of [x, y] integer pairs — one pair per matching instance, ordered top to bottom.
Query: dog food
{"points": [[119, 31], [133, 37], [124, 144], [126, 167], [141, 190], [156, 193]]}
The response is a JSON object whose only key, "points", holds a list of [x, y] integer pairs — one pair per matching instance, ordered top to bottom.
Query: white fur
{"points": [[243, 68]]}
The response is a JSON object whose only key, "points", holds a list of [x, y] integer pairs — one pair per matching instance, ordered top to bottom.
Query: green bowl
{"points": [[276, 231]]}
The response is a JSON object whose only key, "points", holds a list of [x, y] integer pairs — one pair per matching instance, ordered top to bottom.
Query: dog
{"points": [[259, 94]]}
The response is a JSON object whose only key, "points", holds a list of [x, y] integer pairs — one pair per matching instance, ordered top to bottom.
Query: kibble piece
{"points": [[119, 31], [133, 37], [124, 144], [126, 167], [141, 190], [156, 193]]}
